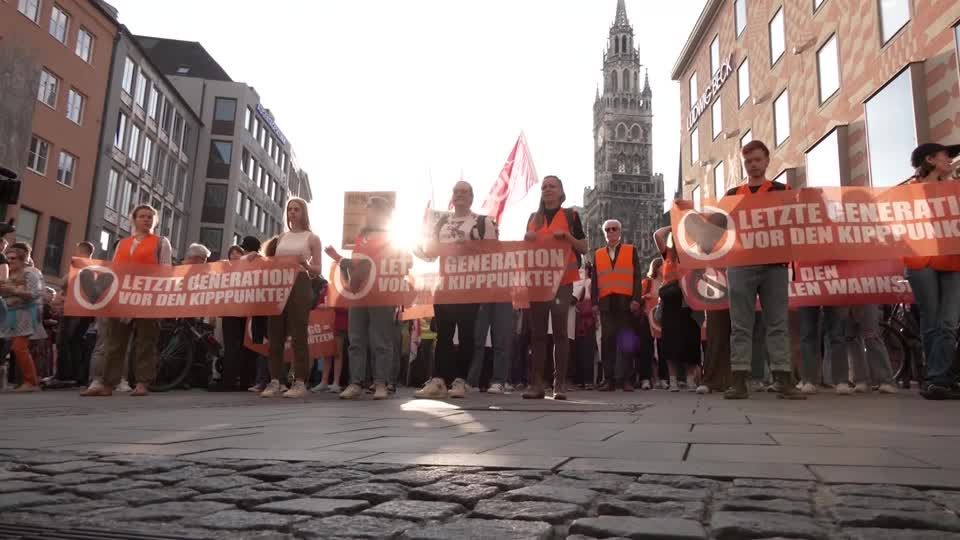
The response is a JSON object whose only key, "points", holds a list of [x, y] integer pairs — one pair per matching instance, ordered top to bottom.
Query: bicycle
{"points": [[901, 335], [188, 355]]}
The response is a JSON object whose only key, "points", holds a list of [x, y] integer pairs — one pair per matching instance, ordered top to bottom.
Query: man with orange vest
{"points": [[142, 247], [769, 282], [617, 293]]}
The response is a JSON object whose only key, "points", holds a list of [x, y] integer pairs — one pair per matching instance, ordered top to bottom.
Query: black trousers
{"points": [[585, 348], [70, 350], [643, 357], [239, 362], [454, 362], [617, 365]]}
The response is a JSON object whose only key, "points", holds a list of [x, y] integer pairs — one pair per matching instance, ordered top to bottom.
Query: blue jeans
{"points": [[746, 283], [937, 295], [498, 320], [371, 329], [835, 366]]}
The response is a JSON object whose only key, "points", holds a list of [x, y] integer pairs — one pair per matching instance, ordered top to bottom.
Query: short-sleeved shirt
{"points": [[454, 229]]}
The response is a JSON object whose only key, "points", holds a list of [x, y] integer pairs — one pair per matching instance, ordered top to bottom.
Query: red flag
{"points": [[515, 180]]}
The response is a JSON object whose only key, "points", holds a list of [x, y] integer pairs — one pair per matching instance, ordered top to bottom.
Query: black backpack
{"points": [[570, 214]]}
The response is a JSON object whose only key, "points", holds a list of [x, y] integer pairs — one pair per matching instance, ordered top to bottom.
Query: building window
{"points": [[817, 4], [30, 8], [740, 15], [894, 15], [59, 22], [778, 42], [84, 48], [714, 55], [828, 68], [129, 73], [743, 82], [142, 84], [49, 85], [692, 87], [155, 98], [75, 103], [716, 113], [224, 114], [167, 115], [781, 117], [248, 120], [121, 131], [891, 131], [177, 136], [747, 137], [133, 145], [695, 146], [39, 153], [147, 153], [159, 161], [245, 162], [823, 163], [218, 165], [66, 168], [169, 178], [113, 180], [719, 180], [181, 182], [696, 196], [145, 197], [126, 199], [239, 202], [214, 203], [247, 208], [256, 214], [27, 221], [166, 222], [262, 223], [175, 233], [56, 236], [213, 239]]}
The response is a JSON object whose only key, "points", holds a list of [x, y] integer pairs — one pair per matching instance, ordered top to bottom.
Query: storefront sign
{"points": [[720, 77]]}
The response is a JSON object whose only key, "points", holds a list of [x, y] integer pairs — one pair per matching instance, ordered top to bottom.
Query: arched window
{"points": [[623, 44], [616, 46], [626, 80], [636, 80], [613, 81], [621, 132], [635, 132], [621, 165]]}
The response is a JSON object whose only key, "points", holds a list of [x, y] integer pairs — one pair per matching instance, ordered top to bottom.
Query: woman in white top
{"points": [[300, 242]]}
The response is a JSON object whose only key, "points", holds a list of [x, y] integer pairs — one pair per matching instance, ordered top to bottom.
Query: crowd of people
{"points": [[615, 322]]}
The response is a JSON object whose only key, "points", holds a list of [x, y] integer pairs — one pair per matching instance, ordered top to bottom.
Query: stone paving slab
{"points": [[804, 455], [480, 460], [702, 468], [936, 478]]}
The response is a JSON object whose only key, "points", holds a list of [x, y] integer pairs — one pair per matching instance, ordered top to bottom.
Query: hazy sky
{"points": [[387, 94]]}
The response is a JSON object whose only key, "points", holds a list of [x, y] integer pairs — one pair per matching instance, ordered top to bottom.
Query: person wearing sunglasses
{"points": [[617, 292]]}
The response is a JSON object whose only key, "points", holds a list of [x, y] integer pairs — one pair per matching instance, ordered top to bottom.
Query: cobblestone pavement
{"points": [[643, 465]]}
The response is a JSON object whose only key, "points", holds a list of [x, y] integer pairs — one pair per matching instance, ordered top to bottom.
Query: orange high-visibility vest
{"points": [[766, 186], [559, 223], [146, 251], [615, 277]]}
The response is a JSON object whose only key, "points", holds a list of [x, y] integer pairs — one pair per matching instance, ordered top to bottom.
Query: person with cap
{"points": [[935, 281]]}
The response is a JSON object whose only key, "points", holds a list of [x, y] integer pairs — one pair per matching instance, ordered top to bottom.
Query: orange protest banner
{"points": [[850, 223], [466, 273], [841, 283], [233, 289], [320, 337]]}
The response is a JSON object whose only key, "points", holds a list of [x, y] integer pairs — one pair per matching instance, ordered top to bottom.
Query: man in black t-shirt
{"points": [[769, 282]]}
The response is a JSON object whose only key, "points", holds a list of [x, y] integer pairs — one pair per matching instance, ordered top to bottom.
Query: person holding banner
{"points": [[553, 221], [299, 241], [143, 247], [769, 282], [936, 283], [22, 291], [618, 294], [368, 327], [680, 333], [453, 364]]}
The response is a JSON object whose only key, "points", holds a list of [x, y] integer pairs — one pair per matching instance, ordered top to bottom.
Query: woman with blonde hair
{"points": [[298, 241], [22, 291]]}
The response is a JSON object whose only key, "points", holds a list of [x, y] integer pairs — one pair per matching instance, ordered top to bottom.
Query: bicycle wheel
{"points": [[899, 352], [173, 364]]}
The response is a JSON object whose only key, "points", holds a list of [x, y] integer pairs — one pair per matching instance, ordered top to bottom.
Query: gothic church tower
{"points": [[625, 187]]}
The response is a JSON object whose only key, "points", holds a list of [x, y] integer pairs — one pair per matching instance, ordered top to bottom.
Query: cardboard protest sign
{"points": [[355, 212], [810, 225], [465, 273], [842, 283], [225, 288], [321, 338]]}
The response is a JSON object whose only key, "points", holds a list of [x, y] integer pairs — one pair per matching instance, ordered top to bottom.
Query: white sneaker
{"points": [[645, 385], [664, 385], [691, 385], [123, 387], [322, 387], [674, 387], [256, 388], [496, 388], [507, 388], [808, 388], [861, 388], [887, 388], [335, 389], [434, 389], [458, 389], [703, 389], [844, 389], [272, 390], [297, 391], [380, 391], [352, 392]]}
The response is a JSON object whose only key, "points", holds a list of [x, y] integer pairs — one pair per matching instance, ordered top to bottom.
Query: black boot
{"points": [[787, 388], [738, 390]]}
